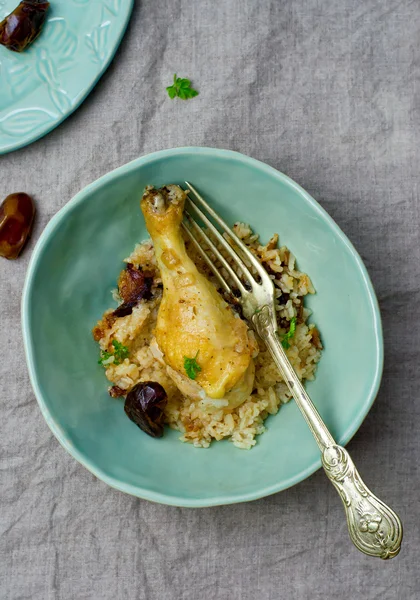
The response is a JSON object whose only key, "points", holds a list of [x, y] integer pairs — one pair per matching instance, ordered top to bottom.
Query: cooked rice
{"points": [[198, 425]]}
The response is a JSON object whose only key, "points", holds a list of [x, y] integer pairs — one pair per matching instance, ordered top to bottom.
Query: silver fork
{"points": [[374, 528]]}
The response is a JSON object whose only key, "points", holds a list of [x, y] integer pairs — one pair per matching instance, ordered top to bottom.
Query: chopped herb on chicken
{"points": [[191, 366]]}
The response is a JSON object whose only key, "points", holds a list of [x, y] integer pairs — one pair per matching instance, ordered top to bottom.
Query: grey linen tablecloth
{"points": [[327, 92]]}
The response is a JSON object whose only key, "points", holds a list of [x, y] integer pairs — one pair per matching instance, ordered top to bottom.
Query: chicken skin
{"points": [[194, 322]]}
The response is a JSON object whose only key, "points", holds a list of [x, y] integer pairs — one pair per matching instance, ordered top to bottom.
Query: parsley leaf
{"points": [[181, 88], [287, 336], [120, 353], [105, 355], [191, 366]]}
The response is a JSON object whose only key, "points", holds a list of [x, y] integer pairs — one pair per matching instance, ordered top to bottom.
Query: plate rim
{"points": [[81, 97], [139, 491]]}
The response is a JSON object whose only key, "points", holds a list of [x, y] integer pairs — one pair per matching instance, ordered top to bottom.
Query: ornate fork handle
{"points": [[374, 528]]}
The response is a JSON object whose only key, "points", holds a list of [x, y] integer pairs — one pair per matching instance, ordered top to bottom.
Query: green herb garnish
{"points": [[181, 88], [287, 336], [120, 353], [105, 355], [191, 366]]}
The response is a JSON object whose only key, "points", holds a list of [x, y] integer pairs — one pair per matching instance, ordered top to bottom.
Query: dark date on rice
{"points": [[133, 285], [145, 404]]}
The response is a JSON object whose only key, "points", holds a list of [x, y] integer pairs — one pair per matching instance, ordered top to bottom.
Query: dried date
{"points": [[19, 29], [17, 213], [133, 286], [145, 404]]}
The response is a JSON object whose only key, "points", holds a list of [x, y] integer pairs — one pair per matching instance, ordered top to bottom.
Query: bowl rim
{"points": [[56, 429]]}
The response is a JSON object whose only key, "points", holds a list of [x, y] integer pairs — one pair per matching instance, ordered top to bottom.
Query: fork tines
{"points": [[197, 234]]}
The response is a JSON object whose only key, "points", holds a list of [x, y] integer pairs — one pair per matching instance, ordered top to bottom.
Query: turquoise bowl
{"points": [[73, 269]]}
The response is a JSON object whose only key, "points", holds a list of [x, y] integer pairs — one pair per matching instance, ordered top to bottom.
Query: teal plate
{"points": [[42, 86], [73, 269]]}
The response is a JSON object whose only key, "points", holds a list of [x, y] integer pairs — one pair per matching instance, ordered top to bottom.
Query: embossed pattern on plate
{"points": [[39, 88]]}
